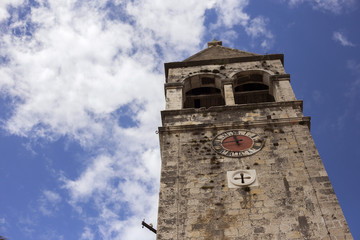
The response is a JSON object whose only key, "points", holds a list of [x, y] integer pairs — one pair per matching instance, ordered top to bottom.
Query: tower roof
{"points": [[215, 50], [215, 53]]}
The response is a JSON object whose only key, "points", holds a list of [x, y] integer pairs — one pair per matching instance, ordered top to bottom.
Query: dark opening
{"points": [[248, 78], [207, 80], [251, 87], [203, 90], [252, 93], [203, 97], [196, 103]]}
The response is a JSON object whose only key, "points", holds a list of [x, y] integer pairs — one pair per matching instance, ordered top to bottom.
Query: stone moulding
{"points": [[177, 112], [224, 126]]}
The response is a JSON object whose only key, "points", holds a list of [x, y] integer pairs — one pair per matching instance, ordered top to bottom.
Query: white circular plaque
{"points": [[242, 178]]}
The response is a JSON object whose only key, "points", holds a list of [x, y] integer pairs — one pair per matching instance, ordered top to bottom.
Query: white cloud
{"points": [[295, 2], [5, 4], [334, 6], [231, 13], [179, 24], [257, 28], [229, 37], [340, 37], [351, 85], [354, 89], [317, 96], [96, 177], [117, 188], [52, 197], [48, 202], [3, 225], [50, 234], [87, 234]]}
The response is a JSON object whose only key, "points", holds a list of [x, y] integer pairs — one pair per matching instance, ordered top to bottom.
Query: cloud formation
{"points": [[5, 5], [334, 6], [258, 28], [340, 37], [353, 91], [48, 202]]}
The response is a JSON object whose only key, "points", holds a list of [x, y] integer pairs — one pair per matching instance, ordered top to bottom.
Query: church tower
{"points": [[238, 159]]}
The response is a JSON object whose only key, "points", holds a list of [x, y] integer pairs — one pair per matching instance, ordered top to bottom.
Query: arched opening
{"points": [[250, 88], [203, 91]]}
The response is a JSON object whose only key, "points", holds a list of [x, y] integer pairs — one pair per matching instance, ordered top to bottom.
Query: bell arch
{"points": [[252, 87], [203, 90]]}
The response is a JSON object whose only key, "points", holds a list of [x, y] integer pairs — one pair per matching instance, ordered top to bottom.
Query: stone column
{"points": [[281, 88], [229, 94], [173, 96]]}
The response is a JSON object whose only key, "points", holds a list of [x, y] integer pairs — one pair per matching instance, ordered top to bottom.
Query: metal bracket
{"points": [[148, 226]]}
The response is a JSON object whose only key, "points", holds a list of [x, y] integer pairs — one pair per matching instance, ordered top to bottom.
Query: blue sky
{"points": [[81, 90]]}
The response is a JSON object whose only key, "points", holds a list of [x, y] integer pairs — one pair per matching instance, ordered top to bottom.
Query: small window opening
{"points": [[249, 78], [207, 80], [251, 87], [203, 91], [252, 93], [203, 97], [197, 103]]}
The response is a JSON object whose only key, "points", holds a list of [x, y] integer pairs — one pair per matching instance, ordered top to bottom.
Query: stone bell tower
{"points": [[238, 159]]}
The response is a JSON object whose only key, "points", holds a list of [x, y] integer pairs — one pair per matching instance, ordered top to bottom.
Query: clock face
{"points": [[237, 143]]}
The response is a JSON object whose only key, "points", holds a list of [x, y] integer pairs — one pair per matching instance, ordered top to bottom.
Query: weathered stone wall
{"points": [[247, 113], [294, 199]]}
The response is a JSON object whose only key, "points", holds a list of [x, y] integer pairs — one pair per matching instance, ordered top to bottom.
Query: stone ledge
{"points": [[280, 77], [224, 108], [235, 124]]}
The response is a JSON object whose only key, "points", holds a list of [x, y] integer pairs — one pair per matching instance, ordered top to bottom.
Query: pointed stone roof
{"points": [[215, 50], [216, 54]]}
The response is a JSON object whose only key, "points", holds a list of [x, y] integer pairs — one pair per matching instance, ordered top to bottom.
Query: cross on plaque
{"points": [[242, 177]]}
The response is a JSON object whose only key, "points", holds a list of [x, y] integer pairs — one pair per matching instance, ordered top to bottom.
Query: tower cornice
{"points": [[212, 115], [271, 122]]}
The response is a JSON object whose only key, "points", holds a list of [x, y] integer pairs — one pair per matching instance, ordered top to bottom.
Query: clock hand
{"points": [[236, 140], [233, 141]]}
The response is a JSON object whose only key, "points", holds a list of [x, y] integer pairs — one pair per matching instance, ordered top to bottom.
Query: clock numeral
{"points": [[234, 132], [241, 133], [226, 134], [217, 143], [257, 145], [251, 150], [223, 151], [229, 154], [239, 154]]}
